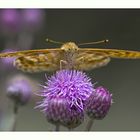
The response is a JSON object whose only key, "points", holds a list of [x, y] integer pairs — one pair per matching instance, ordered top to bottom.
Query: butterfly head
{"points": [[70, 47]]}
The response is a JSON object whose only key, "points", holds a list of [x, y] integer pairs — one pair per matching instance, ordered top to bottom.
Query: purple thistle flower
{"points": [[33, 18], [10, 20], [7, 62], [19, 89], [64, 96], [98, 104], [59, 110]]}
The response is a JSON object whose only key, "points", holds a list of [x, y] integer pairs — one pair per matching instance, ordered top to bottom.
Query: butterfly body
{"points": [[70, 53], [68, 56]]}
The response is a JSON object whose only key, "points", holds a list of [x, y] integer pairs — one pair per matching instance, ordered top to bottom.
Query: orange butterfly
{"points": [[68, 56]]}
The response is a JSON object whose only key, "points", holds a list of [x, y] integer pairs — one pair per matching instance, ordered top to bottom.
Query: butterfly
{"points": [[68, 56]]}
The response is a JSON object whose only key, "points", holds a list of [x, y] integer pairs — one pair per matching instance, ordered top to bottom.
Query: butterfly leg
{"points": [[63, 64]]}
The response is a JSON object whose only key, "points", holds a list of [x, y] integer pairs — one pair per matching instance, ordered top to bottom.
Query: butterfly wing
{"points": [[28, 52], [114, 53], [36, 60], [89, 60], [39, 62]]}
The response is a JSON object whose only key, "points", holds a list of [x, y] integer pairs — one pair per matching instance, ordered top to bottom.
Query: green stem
{"points": [[15, 110], [89, 124], [57, 127], [70, 129]]}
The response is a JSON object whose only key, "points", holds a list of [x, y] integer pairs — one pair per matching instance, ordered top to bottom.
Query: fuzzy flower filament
{"points": [[64, 97]]}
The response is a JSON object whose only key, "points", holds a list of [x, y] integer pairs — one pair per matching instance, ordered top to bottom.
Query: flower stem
{"points": [[15, 107], [15, 111], [89, 124], [57, 127], [70, 129]]}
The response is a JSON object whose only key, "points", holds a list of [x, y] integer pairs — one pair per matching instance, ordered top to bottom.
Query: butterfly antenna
{"points": [[52, 41], [96, 42]]}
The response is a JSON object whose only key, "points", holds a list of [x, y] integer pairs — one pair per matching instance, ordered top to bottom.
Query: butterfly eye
{"points": [[76, 49]]}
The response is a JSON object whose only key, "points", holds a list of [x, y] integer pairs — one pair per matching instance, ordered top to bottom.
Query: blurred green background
{"points": [[120, 77]]}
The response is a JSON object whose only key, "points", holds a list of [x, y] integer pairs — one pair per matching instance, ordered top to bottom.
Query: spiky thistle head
{"points": [[19, 89], [64, 97], [98, 104]]}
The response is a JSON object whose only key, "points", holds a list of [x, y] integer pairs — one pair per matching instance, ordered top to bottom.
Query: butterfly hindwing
{"points": [[88, 61], [39, 62]]}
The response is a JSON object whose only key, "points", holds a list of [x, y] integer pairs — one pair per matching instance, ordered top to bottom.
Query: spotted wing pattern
{"points": [[29, 52], [113, 53], [49, 59], [36, 60], [90, 60], [39, 63]]}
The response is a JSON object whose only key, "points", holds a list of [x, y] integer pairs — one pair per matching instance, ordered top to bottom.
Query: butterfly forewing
{"points": [[29, 52], [114, 53], [36, 60]]}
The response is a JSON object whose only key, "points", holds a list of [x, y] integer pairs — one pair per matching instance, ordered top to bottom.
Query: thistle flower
{"points": [[32, 18], [10, 20], [7, 62], [19, 89], [64, 96], [98, 104], [59, 111]]}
